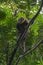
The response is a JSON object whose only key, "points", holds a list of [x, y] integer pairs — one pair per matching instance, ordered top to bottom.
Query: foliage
{"points": [[8, 30]]}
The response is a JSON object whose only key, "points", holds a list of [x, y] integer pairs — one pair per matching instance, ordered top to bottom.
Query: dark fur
{"points": [[22, 26]]}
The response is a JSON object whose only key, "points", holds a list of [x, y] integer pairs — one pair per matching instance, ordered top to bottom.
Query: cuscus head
{"points": [[21, 20]]}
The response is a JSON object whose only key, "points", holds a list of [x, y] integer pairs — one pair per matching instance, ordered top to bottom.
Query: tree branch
{"points": [[28, 51]]}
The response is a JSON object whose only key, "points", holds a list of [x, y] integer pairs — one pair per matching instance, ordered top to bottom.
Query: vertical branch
{"points": [[24, 46]]}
